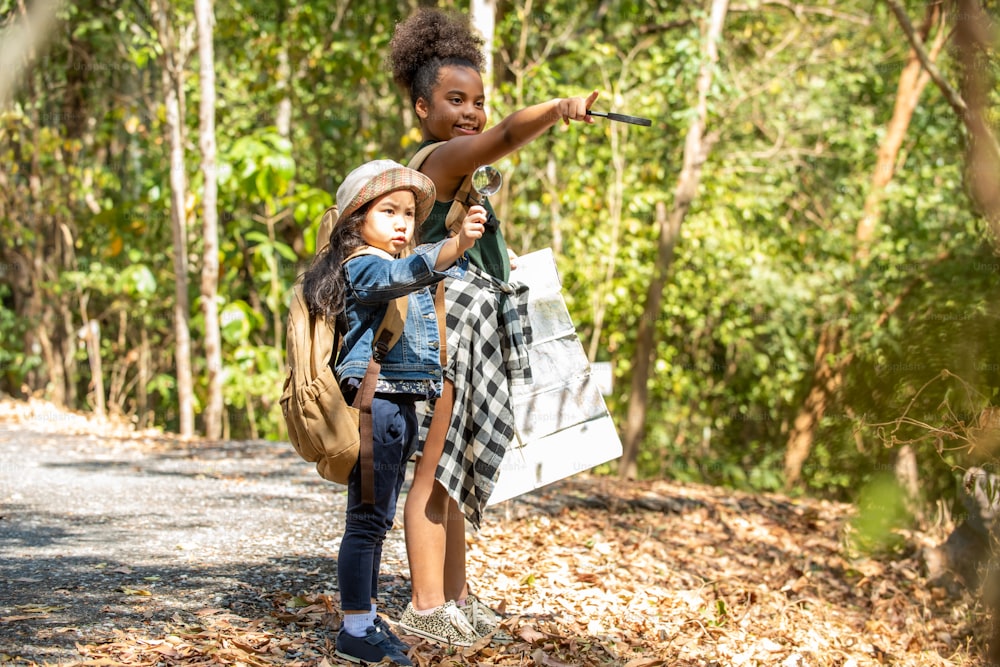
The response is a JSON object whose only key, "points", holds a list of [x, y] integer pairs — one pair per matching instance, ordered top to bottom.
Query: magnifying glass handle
{"points": [[634, 120]]}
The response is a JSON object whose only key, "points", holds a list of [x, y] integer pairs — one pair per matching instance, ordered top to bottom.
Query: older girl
{"points": [[436, 59]]}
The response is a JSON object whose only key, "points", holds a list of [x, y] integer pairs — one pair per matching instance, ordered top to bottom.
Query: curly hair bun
{"points": [[432, 38]]}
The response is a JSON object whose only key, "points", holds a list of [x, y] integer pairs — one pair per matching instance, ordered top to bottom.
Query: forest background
{"points": [[792, 273]]}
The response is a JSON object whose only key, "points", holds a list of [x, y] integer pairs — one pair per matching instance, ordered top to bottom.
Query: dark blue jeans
{"points": [[394, 440]]}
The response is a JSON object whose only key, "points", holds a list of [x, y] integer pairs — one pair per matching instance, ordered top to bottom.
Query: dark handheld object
{"points": [[635, 120]]}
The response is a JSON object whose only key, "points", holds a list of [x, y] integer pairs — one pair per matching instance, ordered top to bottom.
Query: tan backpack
{"points": [[322, 427]]}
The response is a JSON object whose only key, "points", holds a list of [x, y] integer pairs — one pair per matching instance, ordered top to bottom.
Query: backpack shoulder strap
{"points": [[417, 160], [464, 197], [330, 216], [393, 322]]}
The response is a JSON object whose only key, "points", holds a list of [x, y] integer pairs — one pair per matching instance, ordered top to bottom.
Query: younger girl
{"points": [[380, 204]]}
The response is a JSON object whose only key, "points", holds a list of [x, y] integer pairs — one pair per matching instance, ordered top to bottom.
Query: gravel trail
{"points": [[101, 528]]}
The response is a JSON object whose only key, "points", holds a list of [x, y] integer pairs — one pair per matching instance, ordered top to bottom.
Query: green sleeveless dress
{"points": [[489, 253]]}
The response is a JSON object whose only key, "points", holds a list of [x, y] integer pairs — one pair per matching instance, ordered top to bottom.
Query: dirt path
{"points": [[103, 530]]}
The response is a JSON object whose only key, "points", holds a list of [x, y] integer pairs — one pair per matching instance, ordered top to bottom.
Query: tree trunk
{"points": [[482, 14], [204, 15], [976, 38], [21, 43], [174, 56], [912, 81], [283, 119], [696, 148], [178, 223], [669, 229], [52, 254], [47, 333], [91, 333], [827, 372], [143, 377], [826, 379]]}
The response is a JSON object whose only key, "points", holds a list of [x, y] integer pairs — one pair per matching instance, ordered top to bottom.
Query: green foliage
{"points": [[766, 256], [15, 363]]}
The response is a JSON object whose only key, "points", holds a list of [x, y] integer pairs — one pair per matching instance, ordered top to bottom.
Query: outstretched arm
{"points": [[449, 164]]}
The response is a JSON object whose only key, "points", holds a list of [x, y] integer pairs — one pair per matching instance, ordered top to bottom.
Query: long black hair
{"points": [[427, 41], [323, 282]]}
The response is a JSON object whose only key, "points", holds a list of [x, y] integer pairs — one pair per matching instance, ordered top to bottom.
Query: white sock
{"points": [[356, 624]]}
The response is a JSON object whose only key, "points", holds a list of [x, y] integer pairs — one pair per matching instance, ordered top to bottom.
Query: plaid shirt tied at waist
{"points": [[488, 336]]}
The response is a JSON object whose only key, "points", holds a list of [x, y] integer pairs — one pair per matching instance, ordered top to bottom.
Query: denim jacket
{"points": [[372, 282]]}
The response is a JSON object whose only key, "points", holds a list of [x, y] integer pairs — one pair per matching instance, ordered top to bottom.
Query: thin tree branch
{"points": [[799, 10], [663, 27], [951, 95]]}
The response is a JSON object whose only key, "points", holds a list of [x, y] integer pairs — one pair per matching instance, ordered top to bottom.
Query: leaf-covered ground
{"points": [[596, 571]]}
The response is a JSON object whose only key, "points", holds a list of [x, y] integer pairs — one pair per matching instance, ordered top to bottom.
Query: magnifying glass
{"points": [[486, 181]]}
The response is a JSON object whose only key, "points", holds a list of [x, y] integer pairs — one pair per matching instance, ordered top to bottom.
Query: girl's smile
{"points": [[457, 105]]}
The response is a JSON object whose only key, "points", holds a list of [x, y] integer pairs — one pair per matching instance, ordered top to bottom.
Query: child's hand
{"points": [[575, 108], [472, 228]]}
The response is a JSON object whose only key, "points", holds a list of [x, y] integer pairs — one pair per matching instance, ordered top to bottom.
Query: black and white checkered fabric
{"points": [[488, 337]]}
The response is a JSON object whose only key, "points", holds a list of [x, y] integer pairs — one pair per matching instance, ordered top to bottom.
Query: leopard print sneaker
{"points": [[485, 620], [447, 625]]}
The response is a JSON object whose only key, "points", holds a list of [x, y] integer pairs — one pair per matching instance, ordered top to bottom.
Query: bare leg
{"points": [[427, 519], [454, 561]]}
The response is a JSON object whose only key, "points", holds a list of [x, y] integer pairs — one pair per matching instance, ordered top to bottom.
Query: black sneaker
{"points": [[401, 646], [374, 647]]}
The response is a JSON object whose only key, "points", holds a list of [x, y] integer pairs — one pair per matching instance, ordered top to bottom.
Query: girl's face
{"points": [[457, 104], [389, 221]]}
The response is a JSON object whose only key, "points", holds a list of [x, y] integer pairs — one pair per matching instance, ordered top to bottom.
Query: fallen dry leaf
{"points": [[39, 608], [208, 611], [529, 634]]}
